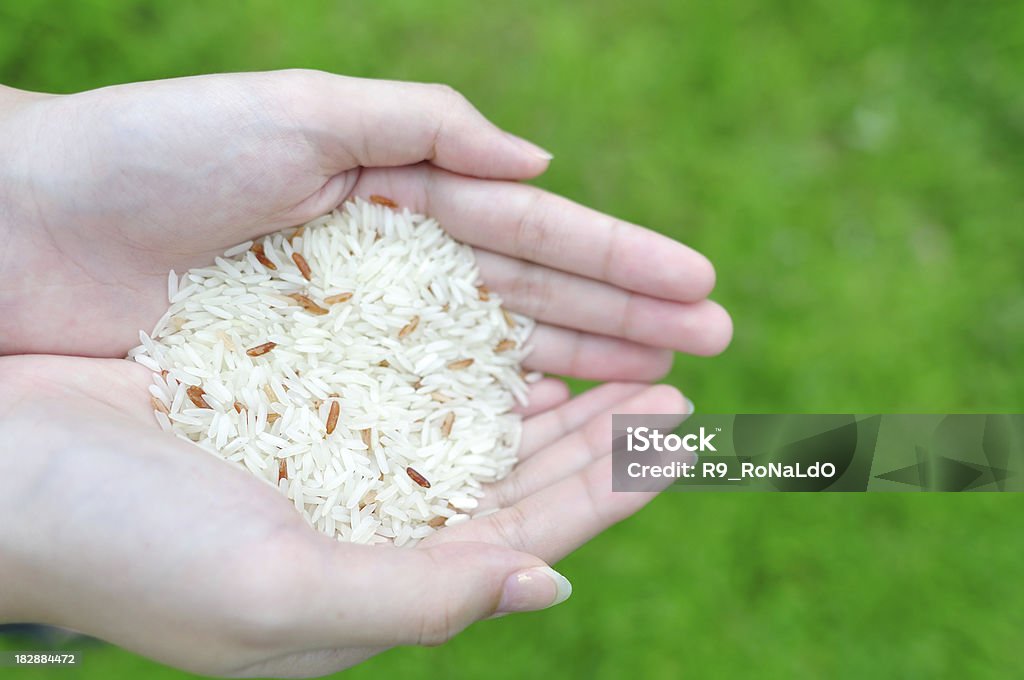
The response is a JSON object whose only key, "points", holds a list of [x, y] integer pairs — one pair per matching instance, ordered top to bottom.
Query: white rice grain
{"points": [[390, 376]]}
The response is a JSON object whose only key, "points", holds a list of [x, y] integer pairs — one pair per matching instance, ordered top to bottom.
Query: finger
{"points": [[373, 123], [531, 224], [576, 302], [594, 357], [544, 394], [549, 426], [573, 452], [552, 523], [380, 595]]}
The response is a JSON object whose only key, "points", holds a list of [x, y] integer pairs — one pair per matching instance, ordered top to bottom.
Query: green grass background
{"points": [[854, 169]]}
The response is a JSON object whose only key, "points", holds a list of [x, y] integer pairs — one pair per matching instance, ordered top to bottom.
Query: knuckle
{"points": [[298, 71], [303, 76], [449, 96], [447, 104], [615, 229], [530, 235], [534, 288], [625, 320], [508, 491], [595, 500], [508, 526], [436, 624], [435, 627]]}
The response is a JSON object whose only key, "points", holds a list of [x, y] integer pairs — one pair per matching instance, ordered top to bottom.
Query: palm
{"points": [[208, 163], [180, 167], [150, 508]]}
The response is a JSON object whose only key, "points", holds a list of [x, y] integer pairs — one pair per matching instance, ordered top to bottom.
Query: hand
{"points": [[105, 191], [117, 529]]}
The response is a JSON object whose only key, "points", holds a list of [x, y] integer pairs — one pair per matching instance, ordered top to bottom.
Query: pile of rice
{"points": [[356, 363]]}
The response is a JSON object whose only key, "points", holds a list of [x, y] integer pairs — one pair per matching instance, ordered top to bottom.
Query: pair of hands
{"points": [[121, 531]]}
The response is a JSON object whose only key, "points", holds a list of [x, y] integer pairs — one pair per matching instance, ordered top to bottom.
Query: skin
{"points": [[121, 531]]}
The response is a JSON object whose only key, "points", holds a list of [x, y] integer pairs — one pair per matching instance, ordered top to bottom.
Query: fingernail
{"points": [[529, 147], [689, 407], [533, 589]]}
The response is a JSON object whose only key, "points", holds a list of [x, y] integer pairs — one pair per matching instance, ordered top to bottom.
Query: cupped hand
{"points": [[105, 191], [124, 532]]}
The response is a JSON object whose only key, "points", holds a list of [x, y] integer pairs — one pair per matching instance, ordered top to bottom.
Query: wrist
{"points": [[11, 99], [20, 138], [25, 546]]}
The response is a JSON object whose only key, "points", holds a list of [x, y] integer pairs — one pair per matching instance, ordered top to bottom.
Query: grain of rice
{"points": [[382, 200], [238, 250], [261, 256], [303, 266], [378, 282], [172, 285], [336, 299], [308, 305], [408, 328], [260, 350], [148, 362], [196, 394], [158, 405], [332, 417], [446, 425], [417, 477], [463, 503], [456, 519]]}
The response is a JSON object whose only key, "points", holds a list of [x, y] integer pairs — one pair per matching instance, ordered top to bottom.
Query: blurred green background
{"points": [[855, 171]]}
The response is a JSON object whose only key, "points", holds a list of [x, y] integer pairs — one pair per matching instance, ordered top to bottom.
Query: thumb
{"points": [[384, 123], [384, 596]]}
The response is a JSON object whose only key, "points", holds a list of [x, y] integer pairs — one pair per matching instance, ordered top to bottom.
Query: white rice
{"points": [[271, 410]]}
